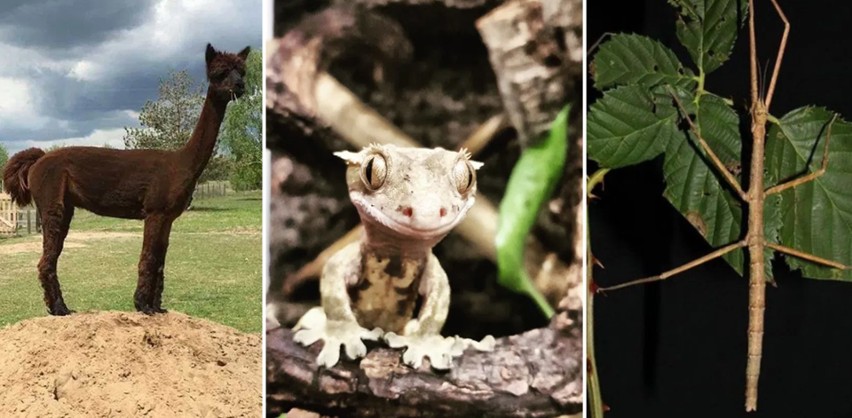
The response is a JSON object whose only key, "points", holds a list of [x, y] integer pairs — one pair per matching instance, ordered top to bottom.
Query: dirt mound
{"points": [[101, 364]]}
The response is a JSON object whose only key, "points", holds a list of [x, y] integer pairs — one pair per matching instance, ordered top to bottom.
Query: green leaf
{"points": [[708, 30], [634, 59], [629, 125], [532, 182], [693, 185], [817, 215]]}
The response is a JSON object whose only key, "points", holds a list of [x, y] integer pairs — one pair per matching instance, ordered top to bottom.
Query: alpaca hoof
{"points": [[61, 310], [147, 310], [150, 310]]}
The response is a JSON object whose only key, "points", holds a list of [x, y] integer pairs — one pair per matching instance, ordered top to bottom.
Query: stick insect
{"points": [[754, 197]]}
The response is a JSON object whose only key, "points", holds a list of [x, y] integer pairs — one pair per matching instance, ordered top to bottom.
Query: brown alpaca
{"points": [[153, 185]]}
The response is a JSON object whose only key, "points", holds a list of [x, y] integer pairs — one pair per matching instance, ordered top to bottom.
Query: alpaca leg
{"points": [[55, 223], [151, 264], [161, 271], [157, 304]]}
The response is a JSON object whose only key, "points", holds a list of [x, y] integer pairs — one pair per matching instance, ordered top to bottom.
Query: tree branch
{"points": [[535, 374]]}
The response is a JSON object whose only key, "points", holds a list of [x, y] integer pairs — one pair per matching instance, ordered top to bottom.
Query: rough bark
{"points": [[535, 50], [534, 374]]}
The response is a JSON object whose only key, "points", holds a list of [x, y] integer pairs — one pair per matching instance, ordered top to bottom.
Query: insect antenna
{"points": [[762, 77]]}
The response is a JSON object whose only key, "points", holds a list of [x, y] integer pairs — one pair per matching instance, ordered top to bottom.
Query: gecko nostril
{"points": [[407, 211], [443, 212]]}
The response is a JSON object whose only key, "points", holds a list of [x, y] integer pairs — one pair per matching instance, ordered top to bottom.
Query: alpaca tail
{"points": [[16, 172]]}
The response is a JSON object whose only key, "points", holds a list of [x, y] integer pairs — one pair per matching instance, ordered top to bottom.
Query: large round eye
{"points": [[374, 170], [463, 176]]}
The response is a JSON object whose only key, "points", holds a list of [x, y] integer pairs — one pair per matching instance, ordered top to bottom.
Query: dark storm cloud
{"points": [[62, 24], [71, 73]]}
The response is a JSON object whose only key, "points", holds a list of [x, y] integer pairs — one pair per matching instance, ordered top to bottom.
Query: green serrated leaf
{"points": [[708, 30], [634, 59], [629, 125], [530, 185], [693, 186], [698, 191], [817, 215]]}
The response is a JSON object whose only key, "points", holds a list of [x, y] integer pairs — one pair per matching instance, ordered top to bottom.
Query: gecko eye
{"points": [[374, 171], [463, 176]]}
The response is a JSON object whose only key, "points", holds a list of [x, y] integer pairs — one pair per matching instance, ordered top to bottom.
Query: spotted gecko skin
{"points": [[389, 284]]}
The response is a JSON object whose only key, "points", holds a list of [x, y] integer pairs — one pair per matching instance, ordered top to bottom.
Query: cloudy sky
{"points": [[76, 72]]}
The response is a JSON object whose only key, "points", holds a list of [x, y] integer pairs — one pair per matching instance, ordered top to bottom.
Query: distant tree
{"points": [[168, 122], [241, 134], [4, 156]]}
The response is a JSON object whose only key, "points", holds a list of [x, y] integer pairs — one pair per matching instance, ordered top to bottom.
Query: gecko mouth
{"points": [[403, 228]]}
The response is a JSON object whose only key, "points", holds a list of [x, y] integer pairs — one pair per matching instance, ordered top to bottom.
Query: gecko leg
{"points": [[811, 176], [334, 323], [315, 326], [422, 335]]}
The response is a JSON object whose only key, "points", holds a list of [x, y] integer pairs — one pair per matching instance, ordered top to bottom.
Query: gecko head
{"points": [[418, 193]]}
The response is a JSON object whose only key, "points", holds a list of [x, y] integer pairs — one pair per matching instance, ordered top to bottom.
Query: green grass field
{"points": [[213, 267]]}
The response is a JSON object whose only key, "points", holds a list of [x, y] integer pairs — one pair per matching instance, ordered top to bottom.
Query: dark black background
{"points": [[678, 348]]}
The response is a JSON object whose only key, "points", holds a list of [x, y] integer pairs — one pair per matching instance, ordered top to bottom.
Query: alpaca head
{"points": [[225, 72]]}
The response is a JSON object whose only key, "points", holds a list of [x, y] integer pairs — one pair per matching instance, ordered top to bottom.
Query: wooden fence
{"points": [[210, 189], [8, 215], [25, 221]]}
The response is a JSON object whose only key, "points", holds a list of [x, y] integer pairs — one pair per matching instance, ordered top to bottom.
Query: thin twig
{"points": [[781, 48], [812, 176], [729, 177], [806, 256], [694, 263]]}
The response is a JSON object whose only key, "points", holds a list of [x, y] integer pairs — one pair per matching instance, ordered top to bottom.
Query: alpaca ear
{"points": [[244, 53], [210, 54], [476, 164]]}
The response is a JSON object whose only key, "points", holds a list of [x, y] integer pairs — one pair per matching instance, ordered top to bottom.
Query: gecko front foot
{"points": [[315, 326], [487, 343], [440, 350]]}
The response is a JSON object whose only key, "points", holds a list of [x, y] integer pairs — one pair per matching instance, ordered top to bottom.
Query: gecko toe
{"points": [[372, 335], [307, 337], [394, 341], [487, 343], [355, 349], [329, 355], [412, 358], [442, 362]]}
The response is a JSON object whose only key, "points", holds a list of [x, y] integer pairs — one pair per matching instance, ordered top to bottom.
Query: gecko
{"points": [[389, 285]]}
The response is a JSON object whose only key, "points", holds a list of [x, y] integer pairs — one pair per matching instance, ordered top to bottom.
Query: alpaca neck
{"points": [[199, 148]]}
